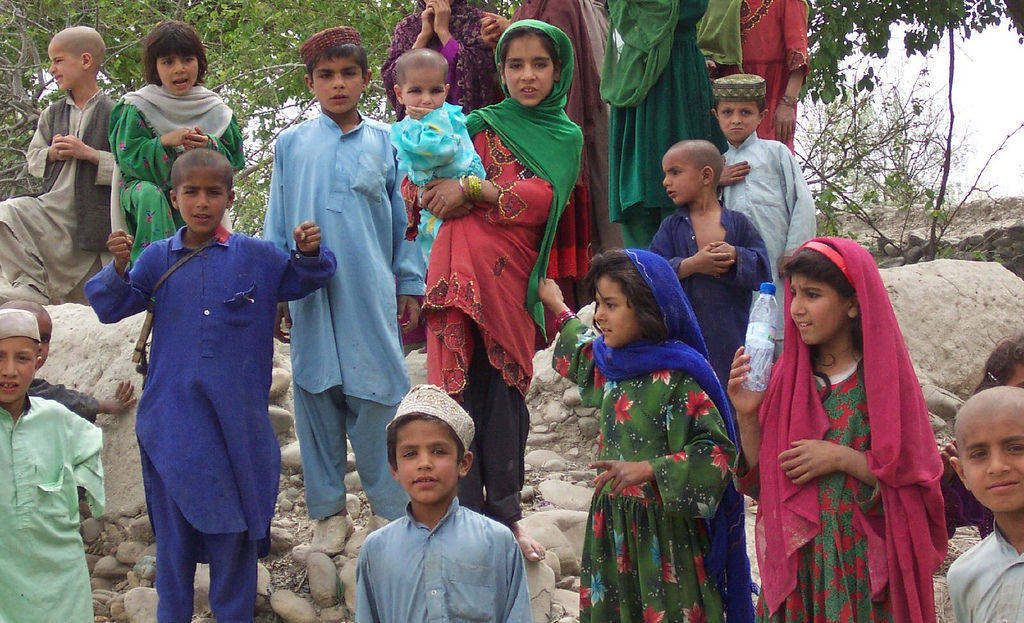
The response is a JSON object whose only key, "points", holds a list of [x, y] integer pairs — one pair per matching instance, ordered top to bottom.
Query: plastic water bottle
{"points": [[760, 341]]}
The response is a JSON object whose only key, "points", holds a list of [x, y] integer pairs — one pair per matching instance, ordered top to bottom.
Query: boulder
{"points": [[565, 495], [562, 532], [323, 580], [541, 581], [140, 605], [292, 608]]}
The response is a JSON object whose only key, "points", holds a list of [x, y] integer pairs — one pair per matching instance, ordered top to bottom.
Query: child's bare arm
{"points": [[119, 243], [551, 295]]}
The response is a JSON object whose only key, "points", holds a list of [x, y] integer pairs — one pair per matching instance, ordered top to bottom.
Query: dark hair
{"points": [[530, 31], [168, 38], [344, 50], [760, 101], [201, 158], [813, 265], [617, 266], [1001, 363], [392, 435]]}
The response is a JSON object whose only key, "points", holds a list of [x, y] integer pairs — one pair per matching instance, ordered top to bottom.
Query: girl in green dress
{"points": [[151, 127], [840, 454], [665, 535]]}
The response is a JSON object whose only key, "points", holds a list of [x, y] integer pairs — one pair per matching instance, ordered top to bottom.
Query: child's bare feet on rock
{"points": [[532, 550]]}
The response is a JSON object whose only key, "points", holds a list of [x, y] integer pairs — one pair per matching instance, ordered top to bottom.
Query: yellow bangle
{"points": [[472, 187]]}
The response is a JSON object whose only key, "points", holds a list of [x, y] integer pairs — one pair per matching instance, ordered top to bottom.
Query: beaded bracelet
{"points": [[563, 317]]}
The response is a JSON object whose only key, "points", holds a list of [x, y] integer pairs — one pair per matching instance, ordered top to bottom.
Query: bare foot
{"points": [[531, 548]]}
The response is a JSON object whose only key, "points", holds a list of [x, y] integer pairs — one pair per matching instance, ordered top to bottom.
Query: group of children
{"points": [[838, 451]]}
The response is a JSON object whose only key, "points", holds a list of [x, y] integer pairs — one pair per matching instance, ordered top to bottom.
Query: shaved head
{"points": [[81, 40], [419, 59], [700, 154], [29, 306], [995, 400]]}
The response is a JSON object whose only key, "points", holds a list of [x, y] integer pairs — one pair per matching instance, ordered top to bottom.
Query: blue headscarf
{"points": [[685, 350]]}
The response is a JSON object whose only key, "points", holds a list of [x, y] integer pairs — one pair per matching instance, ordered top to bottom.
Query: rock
{"points": [[913, 254], [951, 313], [280, 382], [571, 397], [940, 402], [555, 412], [280, 419], [938, 424], [589, 427], [540, 439], [291, 458], [537, 458], [556, 465], [352, 482], [527, 494], [566, 495], [286, 505], [352, 505], [91, 529], [140, 529], [561, 531], [330, 534], [280, 540], [355, 542], [129, 552], [300, 553], [551, 560], [111, 568], [145, 568], [347, 576], [262, 579], [323, 580], [541, 581], [100, 584], [201, 588], [569, 601], [140, 605], [292, 608], [117, 611], [337, 614]]}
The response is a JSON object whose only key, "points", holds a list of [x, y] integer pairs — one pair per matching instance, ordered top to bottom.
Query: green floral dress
{"points": [[145, 166], [643, 555], [832, 579]]}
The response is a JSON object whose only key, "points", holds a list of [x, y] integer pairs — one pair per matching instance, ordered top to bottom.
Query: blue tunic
{"points": [[721, 304], [347, 333], [202, 418]]}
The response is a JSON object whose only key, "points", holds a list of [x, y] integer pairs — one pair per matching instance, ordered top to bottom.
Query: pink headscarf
{"points": [[908, 542]]}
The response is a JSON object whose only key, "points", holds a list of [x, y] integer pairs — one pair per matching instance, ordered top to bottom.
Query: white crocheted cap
{"points": [[19, 323], [432, 400]]}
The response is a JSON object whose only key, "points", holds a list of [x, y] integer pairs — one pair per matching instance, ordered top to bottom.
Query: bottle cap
{"points": [[767, 288]]}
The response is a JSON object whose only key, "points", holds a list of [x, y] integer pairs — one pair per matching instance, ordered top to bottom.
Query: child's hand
{"points": [[426, 24], [492, 26], [416, 112], [176, 138], [195, 139], [67, 147], [53, 153], [733, 173], [307, 238], [119, 243], [721, 246], [783, 260], [707, 261], [551, 295], [409, 308], [283, 323], [124, 399], [745, 402], [947, 453], [811, 458], [622, 474]]}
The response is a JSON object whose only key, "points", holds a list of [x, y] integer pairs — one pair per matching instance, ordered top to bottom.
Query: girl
{"points": [[150, 127], [489, 254], [840, 453], [665, 538]]}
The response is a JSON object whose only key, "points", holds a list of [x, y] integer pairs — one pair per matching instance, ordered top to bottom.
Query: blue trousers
{"points": [[322, 421], [179, 547]]}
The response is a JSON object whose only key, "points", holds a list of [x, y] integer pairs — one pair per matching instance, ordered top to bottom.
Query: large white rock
{"points": [[952, 312], [566, 495], [560, 531], [541, 581], [140, 605]]}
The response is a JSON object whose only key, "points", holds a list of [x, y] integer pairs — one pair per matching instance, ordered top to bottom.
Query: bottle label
{"points": [[760, 333]]}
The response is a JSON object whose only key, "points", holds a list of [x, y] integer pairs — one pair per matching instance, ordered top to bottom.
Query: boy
{"points": [[762, 178], [50, 243], [717, 254], [347, 364], [80, 403], [46, 452], [210, 460], [440, 561], [987, 582]]}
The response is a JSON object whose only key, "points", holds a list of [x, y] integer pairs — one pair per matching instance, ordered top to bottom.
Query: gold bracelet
{"points": [[474, 187]]}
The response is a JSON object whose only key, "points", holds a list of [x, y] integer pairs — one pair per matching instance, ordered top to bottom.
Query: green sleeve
{"points": [[230, 144], [137, 149], [574, 359], [86, 466], [693, 477]]}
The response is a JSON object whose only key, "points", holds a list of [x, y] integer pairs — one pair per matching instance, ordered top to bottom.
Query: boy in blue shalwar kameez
{"points": [[210, 460]]}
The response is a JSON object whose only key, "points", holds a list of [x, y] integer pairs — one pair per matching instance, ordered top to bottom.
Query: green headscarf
{"points": [[718, 32], [640, 35], [544, 140]]}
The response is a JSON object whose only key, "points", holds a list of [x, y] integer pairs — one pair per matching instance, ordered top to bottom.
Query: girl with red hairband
{"points": [[840, 454]]}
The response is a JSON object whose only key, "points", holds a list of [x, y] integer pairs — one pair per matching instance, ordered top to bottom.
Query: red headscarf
{"points": [[906, 544]]}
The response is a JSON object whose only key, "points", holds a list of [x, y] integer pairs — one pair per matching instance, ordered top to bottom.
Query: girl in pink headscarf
{"points": [[840, 454]]}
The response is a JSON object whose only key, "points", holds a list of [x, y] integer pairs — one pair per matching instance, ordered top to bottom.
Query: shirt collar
{"points": [[71, 100], [334, 127], [753, 138], [222, 236], [452, 509], [1005, 546]]}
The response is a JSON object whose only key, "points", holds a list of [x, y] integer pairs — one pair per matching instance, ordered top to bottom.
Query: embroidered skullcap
{"points": [[327, 39], [738, 88], [20, 323], [432, 400]]}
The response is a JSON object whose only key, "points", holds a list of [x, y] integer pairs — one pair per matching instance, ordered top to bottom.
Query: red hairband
{"points": [[831, 254]]}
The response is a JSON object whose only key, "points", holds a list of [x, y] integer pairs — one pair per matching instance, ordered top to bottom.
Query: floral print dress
{"points": [[643, 555], [832, 579]]}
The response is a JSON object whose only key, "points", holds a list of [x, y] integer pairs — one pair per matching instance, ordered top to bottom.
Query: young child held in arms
{"points": [[151, 127], [431, 141], [762, 179], [51, 242], [717, 254], [348, 368], [82, 404], [46, 453], [839, 453], [210, 460], [665, 535], [441, 561], [986, 583]]}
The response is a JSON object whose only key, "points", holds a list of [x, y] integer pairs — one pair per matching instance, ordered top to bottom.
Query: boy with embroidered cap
{"points": [[762, 179], [51, 242], [348, 367], [46, 453], [441, 561], [987, 582]]}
